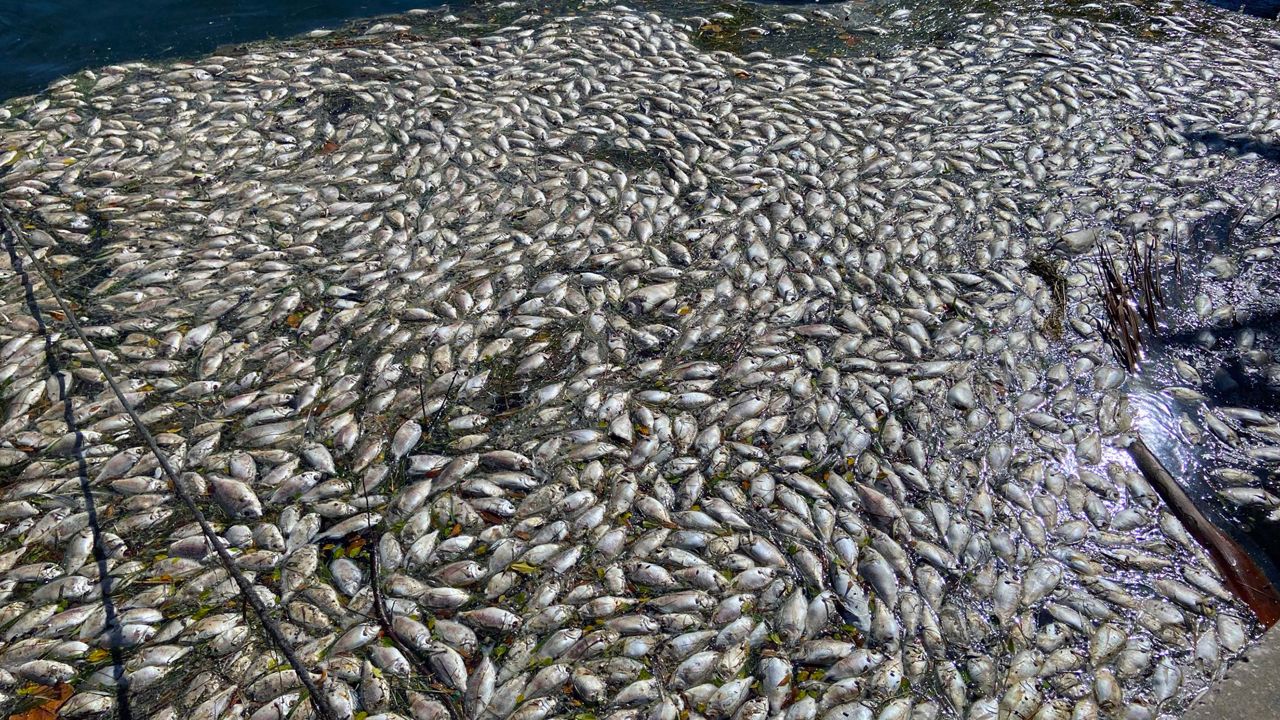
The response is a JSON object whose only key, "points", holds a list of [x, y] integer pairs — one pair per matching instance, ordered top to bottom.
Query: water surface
{"points": [[42, 40]]}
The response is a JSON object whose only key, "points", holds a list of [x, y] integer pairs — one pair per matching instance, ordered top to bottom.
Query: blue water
{"points": [[42, 40]]}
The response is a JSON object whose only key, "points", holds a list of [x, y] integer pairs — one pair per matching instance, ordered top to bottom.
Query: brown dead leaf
{"points": [[329, 147], [491, 518], [51, 697]]}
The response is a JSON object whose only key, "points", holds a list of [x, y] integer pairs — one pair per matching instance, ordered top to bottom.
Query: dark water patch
{"points": [[1260, 8], [41, 40], [339, 104], [1217, 142], [627, 159], [1233, 356], [1157, 415]]}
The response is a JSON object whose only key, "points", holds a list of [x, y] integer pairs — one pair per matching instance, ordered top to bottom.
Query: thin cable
{"points": [[246, 588]]}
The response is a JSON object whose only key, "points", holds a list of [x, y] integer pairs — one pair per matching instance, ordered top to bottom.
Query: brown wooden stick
{"points": [[1242, 574]]}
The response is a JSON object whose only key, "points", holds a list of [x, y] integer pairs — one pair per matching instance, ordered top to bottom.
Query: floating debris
{"points": [[576, 369]]}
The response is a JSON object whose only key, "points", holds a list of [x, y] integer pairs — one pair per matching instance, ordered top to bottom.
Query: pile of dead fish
{"points": [[654, 383]]}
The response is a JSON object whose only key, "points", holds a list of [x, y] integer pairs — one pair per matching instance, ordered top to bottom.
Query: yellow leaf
{"points": [[525, 568]]}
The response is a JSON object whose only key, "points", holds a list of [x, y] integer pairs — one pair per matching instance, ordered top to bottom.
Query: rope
{"points": [[322, 704]]}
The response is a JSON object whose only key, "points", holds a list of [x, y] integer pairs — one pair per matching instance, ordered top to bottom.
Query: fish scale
{"points": [[653, 371]]}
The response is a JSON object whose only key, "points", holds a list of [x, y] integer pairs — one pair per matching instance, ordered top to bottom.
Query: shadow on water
{"points": [[1218, 351], [113, 630]]}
